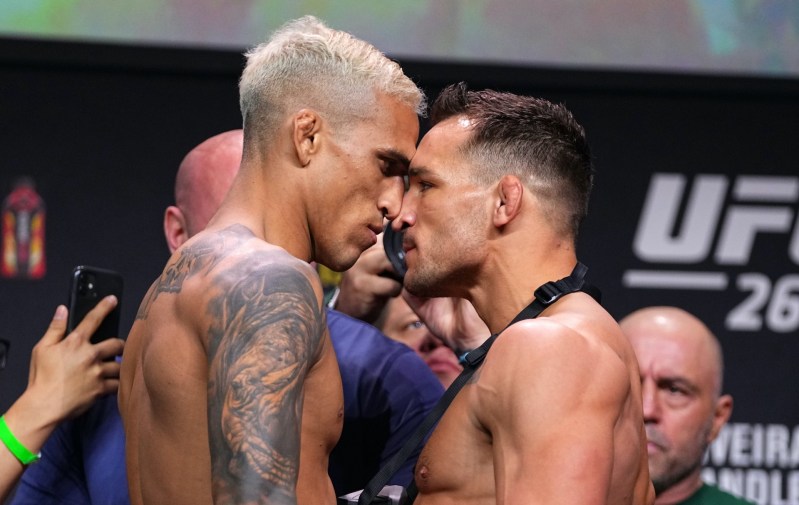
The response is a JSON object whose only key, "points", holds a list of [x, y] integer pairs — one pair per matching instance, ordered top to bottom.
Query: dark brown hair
{"points": [[532, 138]]}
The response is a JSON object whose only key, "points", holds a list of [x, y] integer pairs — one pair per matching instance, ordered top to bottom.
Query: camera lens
{"points": [[86, 286]]}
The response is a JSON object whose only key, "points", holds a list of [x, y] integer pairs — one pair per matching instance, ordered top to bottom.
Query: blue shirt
{"points": [[388, 390], [83, 462]]}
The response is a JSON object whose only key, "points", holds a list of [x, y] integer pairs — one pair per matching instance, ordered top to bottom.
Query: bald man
{"points": [[199, 190], [681, 367]]}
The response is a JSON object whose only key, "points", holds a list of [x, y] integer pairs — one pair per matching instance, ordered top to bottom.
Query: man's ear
{"points": [[305, 134], [510, 191], [175, 228], [721, 414]]}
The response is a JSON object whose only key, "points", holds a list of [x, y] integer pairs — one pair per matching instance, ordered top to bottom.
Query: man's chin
{"points": [[342, 259], [426, 282], [418, 287], [664, 474], [659, 479]]}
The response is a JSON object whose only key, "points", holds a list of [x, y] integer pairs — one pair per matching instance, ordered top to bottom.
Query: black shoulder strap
{"points": [[550, 292], [545, 295]]}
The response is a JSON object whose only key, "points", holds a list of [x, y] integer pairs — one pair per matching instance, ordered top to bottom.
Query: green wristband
{"points": [[21, 452]]}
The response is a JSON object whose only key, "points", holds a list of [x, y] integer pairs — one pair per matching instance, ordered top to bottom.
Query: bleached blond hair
{"points": [[307, 64]]}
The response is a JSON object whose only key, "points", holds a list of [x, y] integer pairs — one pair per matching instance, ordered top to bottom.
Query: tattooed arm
{"points": [[266, 333]]}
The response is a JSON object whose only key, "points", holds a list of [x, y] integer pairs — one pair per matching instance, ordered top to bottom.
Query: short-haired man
{"points": [[498, 187], [682, 368], [388, 389], [230, 391]]}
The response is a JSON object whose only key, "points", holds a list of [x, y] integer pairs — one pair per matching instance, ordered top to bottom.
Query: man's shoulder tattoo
{"points": [[199, 257]]}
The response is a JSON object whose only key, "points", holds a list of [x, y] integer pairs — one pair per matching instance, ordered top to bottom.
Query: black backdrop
{"points": [[101, 129]]}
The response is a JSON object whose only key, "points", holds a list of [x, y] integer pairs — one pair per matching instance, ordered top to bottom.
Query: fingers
{"points": [[373, 260], [376, 261], [367, 275], [385, 286], [92, 321], [58, 326], [109, 348], [109, 370], [109, 377], [99, 379], [110, 386], [103, 388]]}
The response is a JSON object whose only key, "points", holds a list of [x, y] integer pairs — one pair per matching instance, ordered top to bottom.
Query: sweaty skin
{"points": [[238, 324], [230, 377], [554, 414], [523, 432]]}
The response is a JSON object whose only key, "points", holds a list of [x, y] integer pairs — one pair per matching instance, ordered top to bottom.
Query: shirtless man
{"points": [[498, 188], [230, 391]]}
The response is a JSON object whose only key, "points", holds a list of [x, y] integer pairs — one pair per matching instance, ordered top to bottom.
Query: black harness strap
{"points": [[544, 296]]}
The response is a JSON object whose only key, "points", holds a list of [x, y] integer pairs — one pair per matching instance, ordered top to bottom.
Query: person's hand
{"points": [[368, 284], [453, 320], [67, 374]]}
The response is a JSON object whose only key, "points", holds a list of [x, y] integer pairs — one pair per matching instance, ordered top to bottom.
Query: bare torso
{"points": [[229, 379], [552, 416]]}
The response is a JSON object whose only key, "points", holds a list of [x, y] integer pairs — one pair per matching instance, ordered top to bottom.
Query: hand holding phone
{"points": [[89, 285]]}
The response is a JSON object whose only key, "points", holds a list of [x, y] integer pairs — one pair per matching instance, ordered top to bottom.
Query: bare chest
{"points": [[456, 462]]}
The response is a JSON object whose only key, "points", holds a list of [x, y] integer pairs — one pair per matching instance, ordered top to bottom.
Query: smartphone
{"points": [[87, 287]]}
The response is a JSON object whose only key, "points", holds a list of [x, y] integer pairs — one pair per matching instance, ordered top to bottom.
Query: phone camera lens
{"points": [[86, 286]]}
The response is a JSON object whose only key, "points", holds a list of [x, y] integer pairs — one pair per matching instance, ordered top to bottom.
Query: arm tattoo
{"points": [[267, 327]]}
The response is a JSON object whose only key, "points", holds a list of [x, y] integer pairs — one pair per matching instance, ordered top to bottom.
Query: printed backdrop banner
{"points": [[695, 204]]}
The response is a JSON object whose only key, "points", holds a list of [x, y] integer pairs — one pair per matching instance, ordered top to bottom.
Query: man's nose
{"points": [[391, 198], [407, 214], [651, 403]]}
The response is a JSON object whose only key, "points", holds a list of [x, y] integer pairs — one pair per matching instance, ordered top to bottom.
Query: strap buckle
{"points": [[548, 293]]}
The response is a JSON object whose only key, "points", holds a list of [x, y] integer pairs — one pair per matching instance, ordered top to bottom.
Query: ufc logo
{"points": [[760, 204]]}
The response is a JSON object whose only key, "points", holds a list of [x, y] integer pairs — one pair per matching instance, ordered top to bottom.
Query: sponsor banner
{"points": [[757, 461]]}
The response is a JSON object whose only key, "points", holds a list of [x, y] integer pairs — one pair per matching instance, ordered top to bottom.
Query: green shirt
{"points": [[711, 495]]}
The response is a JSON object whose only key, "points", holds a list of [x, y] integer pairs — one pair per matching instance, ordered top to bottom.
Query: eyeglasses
{"points": [[4, 345]]}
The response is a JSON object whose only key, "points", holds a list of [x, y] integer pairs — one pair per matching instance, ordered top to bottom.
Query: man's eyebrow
{"points": [[394, 155], [418, 171], [678, 381]]}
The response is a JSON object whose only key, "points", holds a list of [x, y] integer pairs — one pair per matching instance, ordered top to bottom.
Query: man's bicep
{"points": [[265, 333], [556, 428], [569, 459]]}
